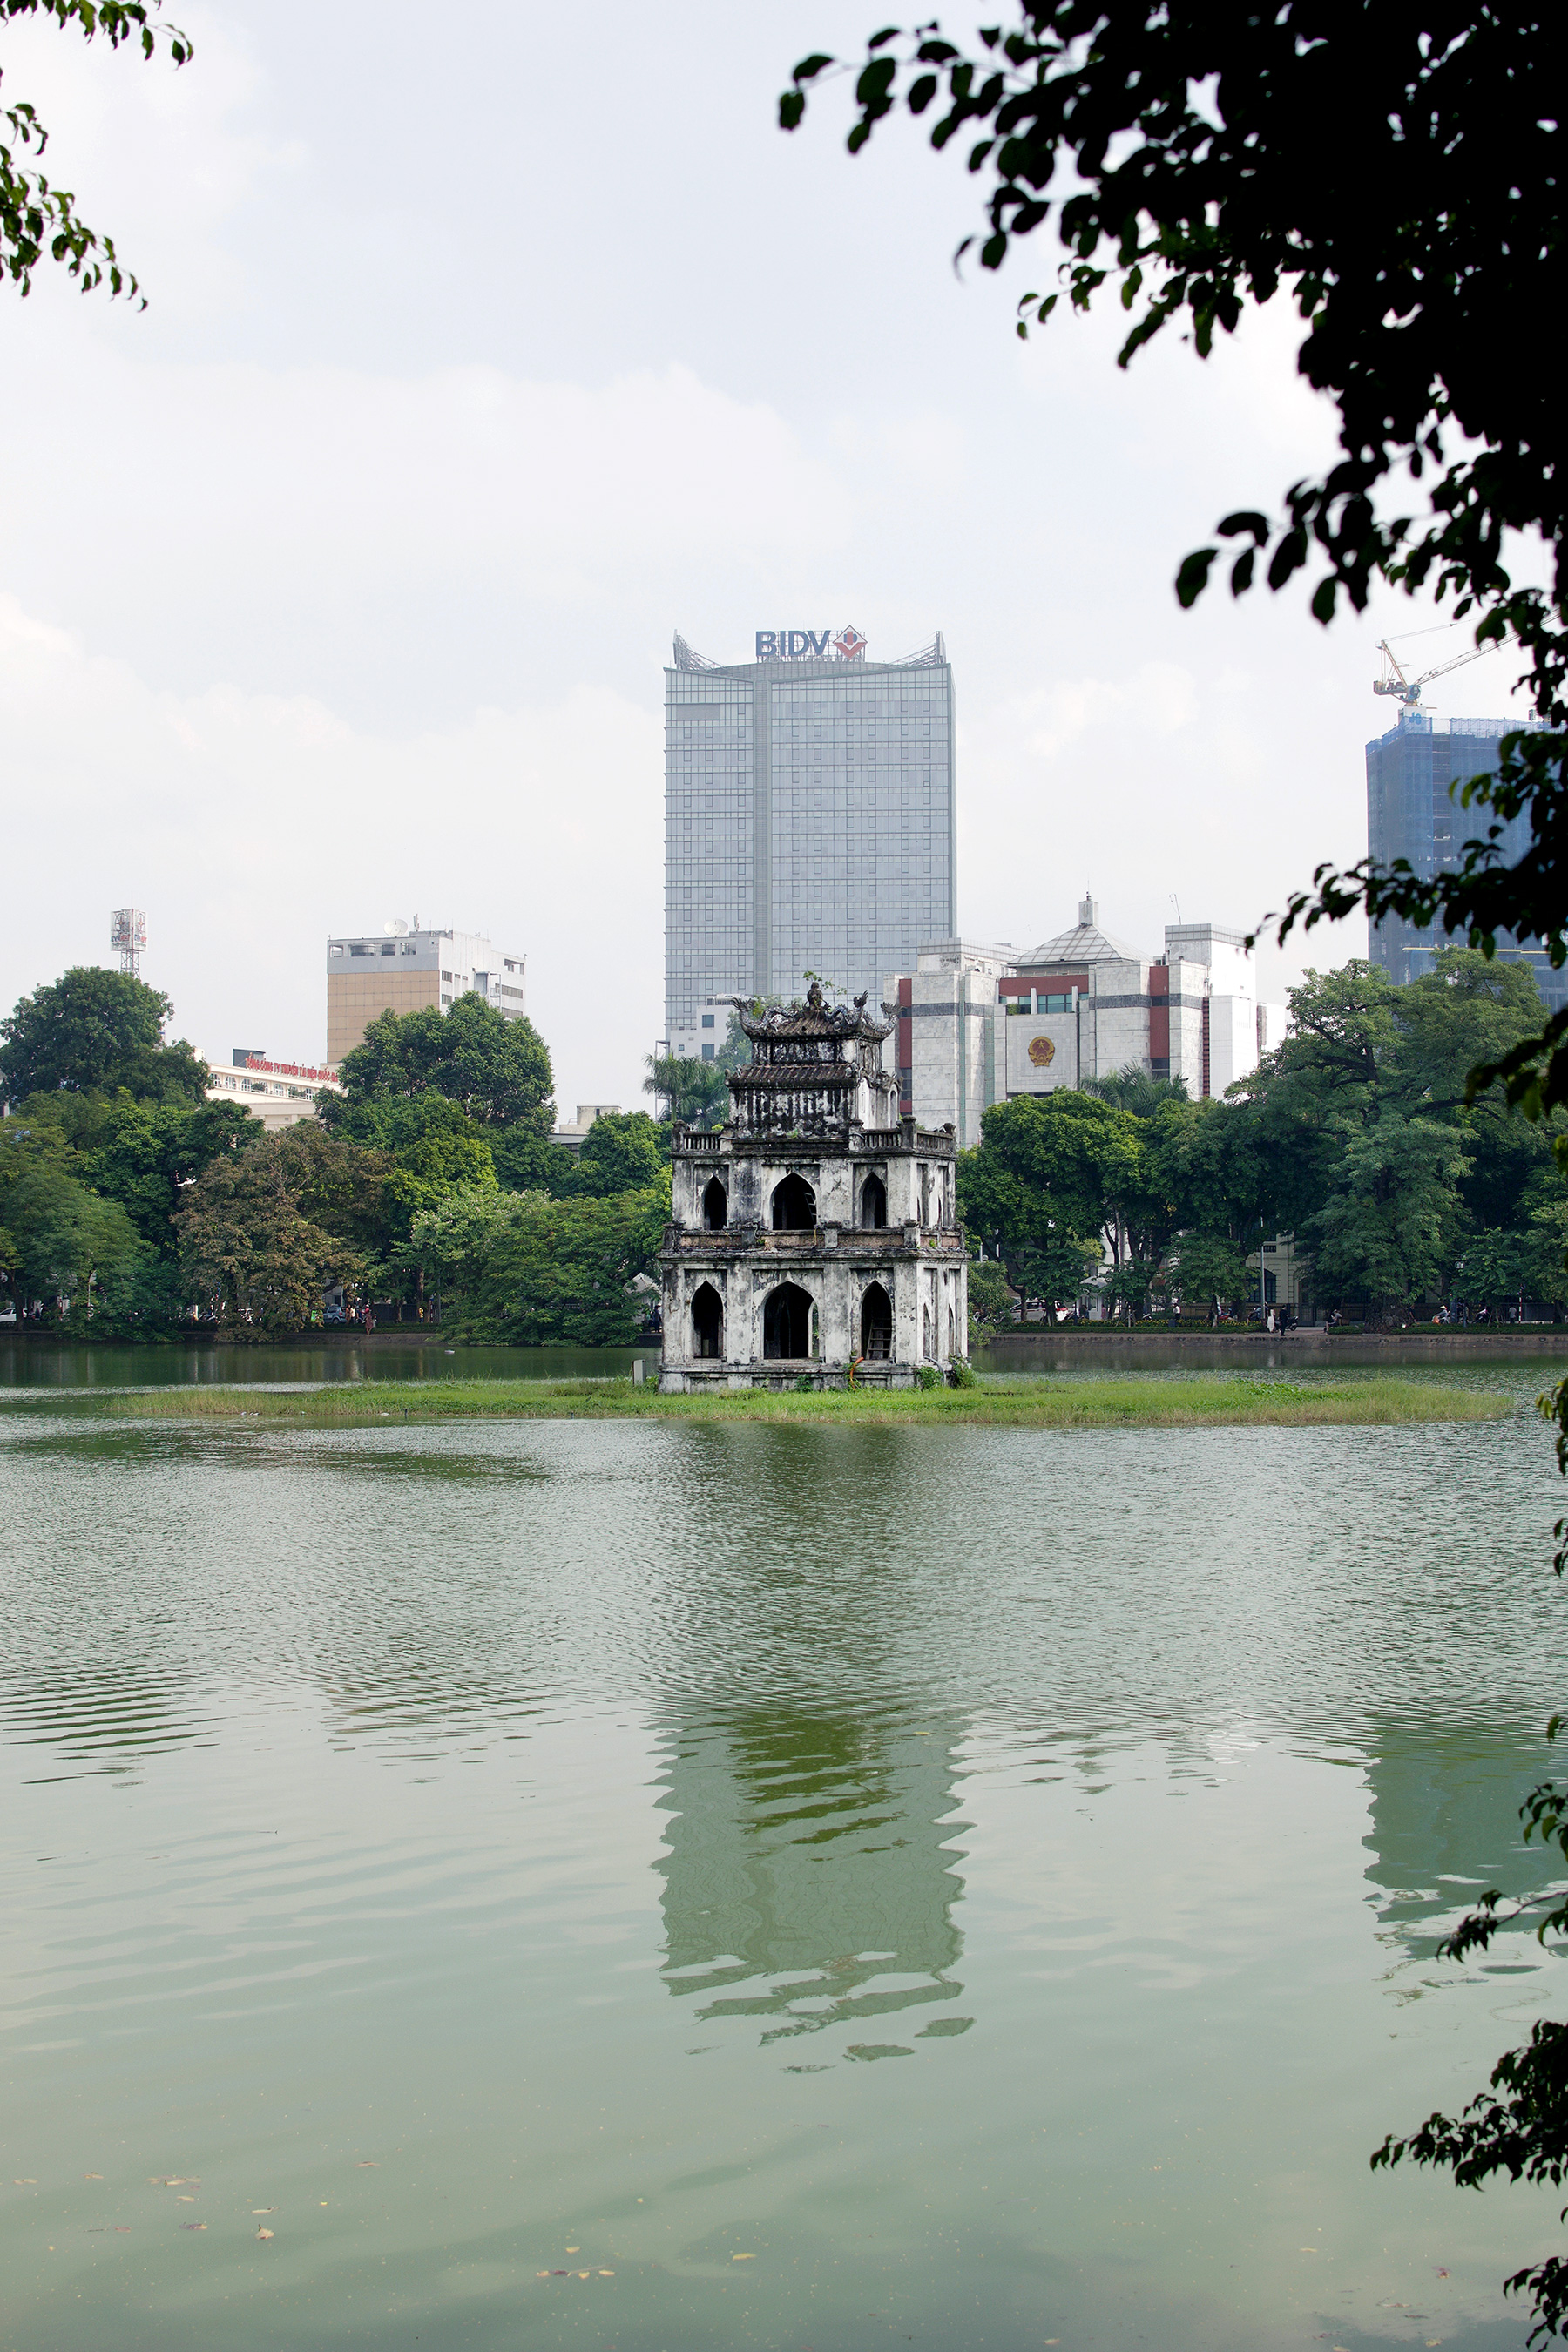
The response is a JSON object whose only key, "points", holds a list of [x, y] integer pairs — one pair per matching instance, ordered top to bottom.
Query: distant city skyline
{"points": [[329, 590]]}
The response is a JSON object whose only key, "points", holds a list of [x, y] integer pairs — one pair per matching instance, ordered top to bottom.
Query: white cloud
{"points": [[248, 826]]}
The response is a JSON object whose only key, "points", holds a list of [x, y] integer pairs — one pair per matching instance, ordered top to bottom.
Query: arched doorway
{"points": [[873, 1203], [715, 1205], [795, 1206], [707, 1321], [786, 1321], [877, 1324]]}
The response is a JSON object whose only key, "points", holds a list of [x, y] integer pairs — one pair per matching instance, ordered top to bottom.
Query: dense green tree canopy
{"points": [[95, 1032], [499, 1070], [432, 1145], [623, 1152], [264, 1231], [526, 1268]]}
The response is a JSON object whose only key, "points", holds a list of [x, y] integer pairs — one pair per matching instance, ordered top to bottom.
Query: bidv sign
{"points": [[810, 644]]}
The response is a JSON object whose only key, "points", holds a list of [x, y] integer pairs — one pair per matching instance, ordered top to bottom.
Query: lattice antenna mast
{"points": [[128, 937]]}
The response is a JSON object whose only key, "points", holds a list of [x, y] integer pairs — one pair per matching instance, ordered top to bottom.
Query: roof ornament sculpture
{"points": [[811, 1018]]}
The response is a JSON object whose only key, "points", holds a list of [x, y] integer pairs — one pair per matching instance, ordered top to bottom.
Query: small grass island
{"points": [[1227, 1400]]}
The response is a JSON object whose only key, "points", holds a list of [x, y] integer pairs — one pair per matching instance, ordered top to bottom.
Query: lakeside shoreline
{"points": [[1233, 1401]]}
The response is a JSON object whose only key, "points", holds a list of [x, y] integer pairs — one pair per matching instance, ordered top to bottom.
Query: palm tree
{"points": [[1133, 1089]]}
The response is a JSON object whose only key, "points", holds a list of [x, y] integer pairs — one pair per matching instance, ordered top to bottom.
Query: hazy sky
{"points": [[338, 585]]}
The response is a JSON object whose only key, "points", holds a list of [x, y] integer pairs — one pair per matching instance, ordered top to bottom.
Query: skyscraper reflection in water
{"points": [[1445, 1824], [810, 1877]]}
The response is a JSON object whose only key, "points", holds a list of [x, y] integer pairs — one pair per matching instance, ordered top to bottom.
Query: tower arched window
{"points": [[794, 1205], [707, 1321], [876, 1324]]}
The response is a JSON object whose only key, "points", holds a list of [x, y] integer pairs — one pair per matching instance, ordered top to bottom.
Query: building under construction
{"points": [[1410, 815]]}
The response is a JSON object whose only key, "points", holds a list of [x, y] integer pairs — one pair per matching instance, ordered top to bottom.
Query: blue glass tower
{"points": [[1409, 814]]}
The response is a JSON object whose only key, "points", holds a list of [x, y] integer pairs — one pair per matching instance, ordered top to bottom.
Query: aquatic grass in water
{"points": [[1129, 1402]]}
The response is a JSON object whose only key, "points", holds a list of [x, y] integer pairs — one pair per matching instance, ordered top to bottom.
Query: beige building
{"points": [[406, 969], [276, 1093]]}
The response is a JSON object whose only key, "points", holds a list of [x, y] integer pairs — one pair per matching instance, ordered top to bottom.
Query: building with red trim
{"points": [[977, 1026]]}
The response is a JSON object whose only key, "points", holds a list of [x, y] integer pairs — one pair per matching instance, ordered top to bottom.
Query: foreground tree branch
{"points": [[36, 218]]}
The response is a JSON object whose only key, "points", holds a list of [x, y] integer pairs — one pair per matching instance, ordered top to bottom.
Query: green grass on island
{"points": [[1218, 1399]]}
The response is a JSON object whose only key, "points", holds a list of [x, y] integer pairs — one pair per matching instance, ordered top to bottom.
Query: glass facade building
{"points": [[1409, 814], [809, 820]]}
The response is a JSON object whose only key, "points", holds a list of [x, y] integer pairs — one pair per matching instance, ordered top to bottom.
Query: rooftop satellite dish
{"points": [[396, 930]]}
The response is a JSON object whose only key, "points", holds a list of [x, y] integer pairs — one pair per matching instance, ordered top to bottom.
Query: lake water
{"points": [[835, 1888]]}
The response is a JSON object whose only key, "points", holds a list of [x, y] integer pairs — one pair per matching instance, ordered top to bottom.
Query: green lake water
{"points": [[835, 1887]]}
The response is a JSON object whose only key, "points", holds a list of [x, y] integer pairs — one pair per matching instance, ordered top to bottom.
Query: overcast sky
{"points": [[338, 585]]}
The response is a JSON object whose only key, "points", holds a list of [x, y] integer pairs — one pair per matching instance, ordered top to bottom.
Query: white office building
{"points": [[980, 1024]]}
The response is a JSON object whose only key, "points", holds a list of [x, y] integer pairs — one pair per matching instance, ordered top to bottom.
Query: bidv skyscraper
{"points": [[808, 820]]}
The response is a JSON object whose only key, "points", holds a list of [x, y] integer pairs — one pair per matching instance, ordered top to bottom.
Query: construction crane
{"points": [[1408, 690]]}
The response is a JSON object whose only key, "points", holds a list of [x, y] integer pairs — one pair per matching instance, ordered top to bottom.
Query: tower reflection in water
{"points": [[809, 1878]]}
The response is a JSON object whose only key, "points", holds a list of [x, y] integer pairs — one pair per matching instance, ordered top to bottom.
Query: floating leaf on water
{"points": [[367, 2164], [93, 2176], [24, 2184], [184, 2199], [264, 2208], [193, 2225], [123, 2229], [264, 2233], [573, 2249], [742, 2258], [542, 2273], [560, 2273], [585, 2273], [606, 2274]]}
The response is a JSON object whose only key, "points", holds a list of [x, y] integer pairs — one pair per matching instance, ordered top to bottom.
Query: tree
{"points": [[1180, 149], [35, 215], [94, 1030], [498, 1069], [1135, 1089], [694, 1091], [433, 1148], [623, 1152], [146, 1156], [527, 1161], [1050, 1173], [263, 1232], [1389, 1232], [70, 1243], [1209, 1266], [1493, 1270], [536, 1271], [992, 1298]]}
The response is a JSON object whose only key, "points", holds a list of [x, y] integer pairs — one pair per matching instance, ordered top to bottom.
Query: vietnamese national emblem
{"points": [[1042, 1053]]}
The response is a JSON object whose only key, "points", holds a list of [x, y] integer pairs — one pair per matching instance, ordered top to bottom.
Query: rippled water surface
{"points": [[655, 1885]]}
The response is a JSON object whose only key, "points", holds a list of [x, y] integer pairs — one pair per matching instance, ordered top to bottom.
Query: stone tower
{"points": [[816, 1230]]}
